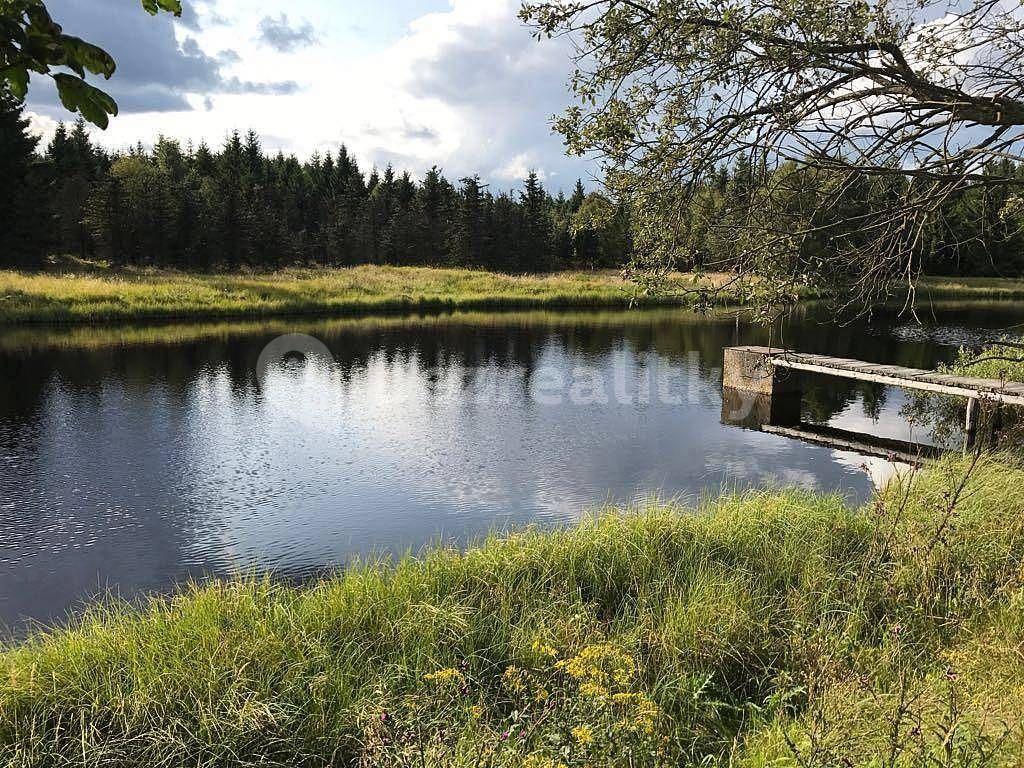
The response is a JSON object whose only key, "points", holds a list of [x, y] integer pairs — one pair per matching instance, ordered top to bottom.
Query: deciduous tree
{"points": [[668, 92]]}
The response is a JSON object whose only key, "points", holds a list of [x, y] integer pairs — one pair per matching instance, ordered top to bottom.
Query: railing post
{"points": [[971, 423]]}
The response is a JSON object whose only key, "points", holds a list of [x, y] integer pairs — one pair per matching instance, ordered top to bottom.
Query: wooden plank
{"points": [[897, 376], [982, 385]]}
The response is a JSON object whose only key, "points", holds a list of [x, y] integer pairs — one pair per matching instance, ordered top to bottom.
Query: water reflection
{"points": [[132, 458]]}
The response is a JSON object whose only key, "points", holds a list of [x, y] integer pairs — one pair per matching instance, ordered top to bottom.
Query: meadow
{"points": [[970, 288], [82, 292], [91, 295], [772, 628]]}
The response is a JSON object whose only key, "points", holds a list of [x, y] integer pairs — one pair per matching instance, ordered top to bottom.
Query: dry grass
{"points": [[84, 292], [25, 338]]}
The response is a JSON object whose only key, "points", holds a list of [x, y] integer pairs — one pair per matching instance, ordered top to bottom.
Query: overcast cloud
{"points": [[282, 36], [156, 66], [415, 83]]}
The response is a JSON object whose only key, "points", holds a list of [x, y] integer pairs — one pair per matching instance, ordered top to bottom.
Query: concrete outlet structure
{"points": [[751, 369]]}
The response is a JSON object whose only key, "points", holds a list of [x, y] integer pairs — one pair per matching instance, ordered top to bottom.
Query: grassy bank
{"points": [[970, 288], [83, 292], [133, 295], [771, 629]]}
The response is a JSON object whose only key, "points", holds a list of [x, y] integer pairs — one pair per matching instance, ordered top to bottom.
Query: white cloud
{"points": [[283, 36], [159, 62], [478, 70], [464, 87], [42, 126], [518, 167]]}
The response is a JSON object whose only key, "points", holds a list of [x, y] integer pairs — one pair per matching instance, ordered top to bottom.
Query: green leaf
{"points": [[155, 6], [81, 54], [17, 80], [78, 96]]}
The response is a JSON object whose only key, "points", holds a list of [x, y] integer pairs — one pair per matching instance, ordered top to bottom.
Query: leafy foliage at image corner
{"points": [[31, 41], [858, 129]]}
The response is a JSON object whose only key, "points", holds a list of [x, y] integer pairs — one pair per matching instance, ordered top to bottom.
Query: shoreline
{"points": [[87, 297], [91, 297]]}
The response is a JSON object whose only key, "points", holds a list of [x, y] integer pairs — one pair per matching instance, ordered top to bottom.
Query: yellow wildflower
{"points": [[542, 649], [603, 664], [444, 676], [514, 679], [594, 690], [643, 713], [583, 734], [537, 760]]}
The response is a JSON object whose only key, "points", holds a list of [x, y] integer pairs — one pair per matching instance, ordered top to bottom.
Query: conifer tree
{"points": [[71, 160], [23, 233], [536, 237], [470, 242]]}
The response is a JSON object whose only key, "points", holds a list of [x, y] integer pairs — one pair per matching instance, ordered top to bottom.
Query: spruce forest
{"points": [[236, 207]]}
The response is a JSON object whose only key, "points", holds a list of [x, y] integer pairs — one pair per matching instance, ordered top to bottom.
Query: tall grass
{"points": [[970, 288], [86, 292], [147, 294], [25, 338], [779, 628]]}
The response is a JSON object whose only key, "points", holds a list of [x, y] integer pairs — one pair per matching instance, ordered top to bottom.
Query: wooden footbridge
{"points": [[769, 373]]}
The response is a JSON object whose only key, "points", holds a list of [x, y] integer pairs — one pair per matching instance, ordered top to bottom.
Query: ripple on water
{"points": [[136, 466]]}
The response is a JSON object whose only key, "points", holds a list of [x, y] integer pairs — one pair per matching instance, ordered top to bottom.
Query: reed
{"points": [[87, 292]]}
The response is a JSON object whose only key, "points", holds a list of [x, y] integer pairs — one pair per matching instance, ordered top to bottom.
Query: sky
{"points": [[460, 84]]}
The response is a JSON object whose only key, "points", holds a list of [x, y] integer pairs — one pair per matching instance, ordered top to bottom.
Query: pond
{"points": [[135, 457]]}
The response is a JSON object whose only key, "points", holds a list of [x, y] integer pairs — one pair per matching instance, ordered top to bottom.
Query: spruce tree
{"points": [[579, 194], [23, 205], [435, 217], [234, 221], [470, 241], [536, 241]]}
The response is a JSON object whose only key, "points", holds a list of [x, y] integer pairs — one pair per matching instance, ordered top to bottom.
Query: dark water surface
{"points": [[132, 458]]}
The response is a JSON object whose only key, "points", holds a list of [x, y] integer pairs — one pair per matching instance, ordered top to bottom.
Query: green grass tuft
{"points": [[995, 361]]}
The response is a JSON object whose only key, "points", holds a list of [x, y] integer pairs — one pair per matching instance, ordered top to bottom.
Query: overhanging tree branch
{"points": [[918, 101]]}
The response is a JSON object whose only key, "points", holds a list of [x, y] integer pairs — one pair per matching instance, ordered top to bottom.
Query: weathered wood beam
{"points": [[751, 367]]}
